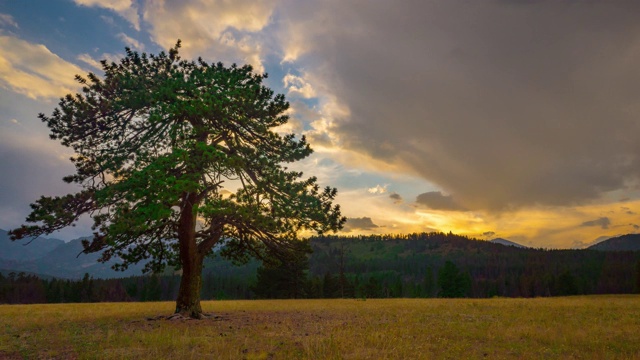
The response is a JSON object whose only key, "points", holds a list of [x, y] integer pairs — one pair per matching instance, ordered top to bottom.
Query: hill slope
{"points": [[506, 242], [629, 242], [23, 250], [56, 258]]}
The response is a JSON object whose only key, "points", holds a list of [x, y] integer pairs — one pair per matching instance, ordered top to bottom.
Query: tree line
{"points": [[415, 265]]}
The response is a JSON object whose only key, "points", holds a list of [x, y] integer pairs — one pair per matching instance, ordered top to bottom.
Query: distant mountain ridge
{"points": [[506, 242], [629, 242], [19, 250], [56, 258], [402, 265]]}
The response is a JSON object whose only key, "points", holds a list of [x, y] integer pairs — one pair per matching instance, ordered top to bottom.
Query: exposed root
{"points": [[179, 316]]}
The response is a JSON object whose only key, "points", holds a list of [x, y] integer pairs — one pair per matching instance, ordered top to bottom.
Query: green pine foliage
{"points": [[174, 157], [284, 278], [452, 282]]}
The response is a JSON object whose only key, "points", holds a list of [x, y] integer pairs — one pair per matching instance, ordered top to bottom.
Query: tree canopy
{"points": [[174, 157]]}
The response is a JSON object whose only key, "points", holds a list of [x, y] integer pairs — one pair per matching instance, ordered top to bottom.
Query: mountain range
{"points": [[506, 242], [629, 242], [51, 257], [55, 258]]}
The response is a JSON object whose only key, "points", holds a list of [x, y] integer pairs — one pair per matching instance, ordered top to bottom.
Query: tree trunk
{"points": [[188, 302]]}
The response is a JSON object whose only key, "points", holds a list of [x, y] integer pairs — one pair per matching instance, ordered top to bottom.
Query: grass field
{"points": [[590, 327]]}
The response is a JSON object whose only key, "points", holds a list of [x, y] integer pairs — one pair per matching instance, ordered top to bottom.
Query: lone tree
{"points": [[158, 142]]}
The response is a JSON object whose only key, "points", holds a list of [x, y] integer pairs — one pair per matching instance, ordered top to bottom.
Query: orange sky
{"points": [[489, 119]]}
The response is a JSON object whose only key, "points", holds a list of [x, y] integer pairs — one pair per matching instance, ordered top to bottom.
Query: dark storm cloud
{"points": [[505, 104], [27, 173], [395, 197], [437, 201], [628, 211], [602, 222], [363, 223]]}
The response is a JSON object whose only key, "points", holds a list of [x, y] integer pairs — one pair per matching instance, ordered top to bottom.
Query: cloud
{"points": [[125, 8], [108, 19], [7, 20], [303, 24], [221, 30], [226, 31], [131, 42], [87, 59], [95, 64], [33, 70], [296, 85], [484, 107], [298, 113], [322, 131], [31, 166], [378, 189], [226, 193], [395, 197], [437, 201], [627, 210], [602, 222], [363, 223], [635, 226], [488, 234], [583, 245]]}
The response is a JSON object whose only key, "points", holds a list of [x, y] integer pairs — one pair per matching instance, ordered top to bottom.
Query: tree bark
{"points": [[188, 302]]}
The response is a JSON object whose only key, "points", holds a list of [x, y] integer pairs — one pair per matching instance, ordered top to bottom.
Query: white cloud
{"points": [[116, 5], [125, 8], [108, 19], [7, 20], [301, 24], [218, 30], [227, 31], [131, 42], [244, 49], [87, 59], [95, 63], [34, 71], [298, 85], [298, 113], [323, 129], [378, 189]]}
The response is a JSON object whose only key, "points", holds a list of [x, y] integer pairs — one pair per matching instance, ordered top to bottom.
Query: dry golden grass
{"points": [[591, 327]]}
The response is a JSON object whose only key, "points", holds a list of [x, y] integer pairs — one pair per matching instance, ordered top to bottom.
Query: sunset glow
{"points": [[489, 119]]}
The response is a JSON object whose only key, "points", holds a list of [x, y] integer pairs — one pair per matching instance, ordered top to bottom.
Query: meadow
{"points": [[581, 327]]}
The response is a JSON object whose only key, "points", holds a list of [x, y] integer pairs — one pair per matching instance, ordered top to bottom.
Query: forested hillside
{"points": [[629, 242], [410, 265], [416, 265]]}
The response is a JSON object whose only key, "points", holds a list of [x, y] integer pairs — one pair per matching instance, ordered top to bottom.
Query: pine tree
{"points": [[174, 157], [638, 276], [284, 278], [452, 282]]}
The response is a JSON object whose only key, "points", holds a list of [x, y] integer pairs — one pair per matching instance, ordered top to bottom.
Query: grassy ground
{"points": [[593, 327]]}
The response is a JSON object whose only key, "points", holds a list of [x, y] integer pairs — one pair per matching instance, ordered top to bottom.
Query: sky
{"points": [[498, 118]]}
